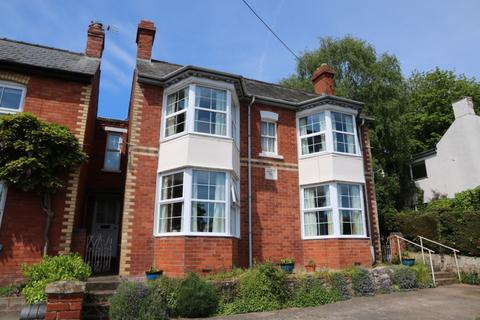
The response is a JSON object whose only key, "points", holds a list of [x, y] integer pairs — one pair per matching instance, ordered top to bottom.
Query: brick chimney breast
{"points": [[145, 36], [95, 40], [323, 81]]}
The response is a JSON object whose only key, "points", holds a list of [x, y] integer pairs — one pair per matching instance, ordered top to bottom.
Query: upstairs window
{"points": [[11, 98], [176, 110], [211, 111], [343, 132], [312, 133], [269, 137], [113, 152], [419, 170]]}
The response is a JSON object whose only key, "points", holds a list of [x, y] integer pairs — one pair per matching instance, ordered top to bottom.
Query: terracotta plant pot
{"points": [[310, 268]]}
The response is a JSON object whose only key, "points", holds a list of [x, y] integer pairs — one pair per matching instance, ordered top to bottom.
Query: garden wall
{"points": [[447, 262]]}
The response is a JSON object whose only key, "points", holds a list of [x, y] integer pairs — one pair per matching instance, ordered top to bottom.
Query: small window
{"points": [[11, 98], [176, 110], [211, 111], [343, 132], [312, 133], [269, 137], [113, 152], [419, 170], [3, 198]]}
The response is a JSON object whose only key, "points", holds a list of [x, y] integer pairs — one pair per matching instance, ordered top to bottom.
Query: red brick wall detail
{"points": [[337, 253], [64, 306]]}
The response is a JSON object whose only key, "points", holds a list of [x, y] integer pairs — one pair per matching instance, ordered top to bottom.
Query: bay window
{"points": [[11, 97], [202, 109], [327, 131], [198, 202], [332, 210]]}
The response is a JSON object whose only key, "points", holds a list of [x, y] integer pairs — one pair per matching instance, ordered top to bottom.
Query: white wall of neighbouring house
{"points": [[456, 165]]}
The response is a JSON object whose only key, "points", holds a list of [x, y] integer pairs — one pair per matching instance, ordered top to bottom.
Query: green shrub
{"points": [[50, 269], [225, 275], [404, 278], [470, 278], [424, 280], [362, 281], [339, 283], [262, 288], [167, 289], [8, 291], [311, 292], [196, 297], [135, 300]]}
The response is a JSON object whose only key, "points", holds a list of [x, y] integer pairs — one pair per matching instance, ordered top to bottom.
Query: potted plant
{"points": [[407, 260], [287, 264], [310, 266], [153, 273]]}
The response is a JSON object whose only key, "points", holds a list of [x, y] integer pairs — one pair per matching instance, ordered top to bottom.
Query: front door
{"points": [[106, 216]]}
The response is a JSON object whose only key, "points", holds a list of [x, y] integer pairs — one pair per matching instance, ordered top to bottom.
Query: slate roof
{"points": [[34, 55], [160, 70]]}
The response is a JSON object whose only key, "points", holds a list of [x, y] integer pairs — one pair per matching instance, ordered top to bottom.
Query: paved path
{"points": [[447, 302]]}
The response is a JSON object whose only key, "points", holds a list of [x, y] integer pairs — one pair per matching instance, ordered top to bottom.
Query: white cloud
{"points": [[120, 53], [111, 71]]}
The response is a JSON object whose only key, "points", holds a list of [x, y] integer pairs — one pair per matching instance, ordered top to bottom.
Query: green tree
{"points": [[376, 79], [430, 99], [36, 156]]}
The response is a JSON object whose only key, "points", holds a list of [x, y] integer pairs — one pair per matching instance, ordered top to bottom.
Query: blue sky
{"points": [[224, 35]]}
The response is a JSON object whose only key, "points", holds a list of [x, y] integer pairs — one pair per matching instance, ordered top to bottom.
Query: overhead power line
{"points": [[270, 29]]}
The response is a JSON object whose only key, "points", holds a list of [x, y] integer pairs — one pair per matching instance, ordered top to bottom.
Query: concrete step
{"points": [[445, 281], [103, 283]]}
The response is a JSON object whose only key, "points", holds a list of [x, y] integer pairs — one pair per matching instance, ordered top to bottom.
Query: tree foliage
{"points": [[376, 79], [430, 104], [35, 155]]}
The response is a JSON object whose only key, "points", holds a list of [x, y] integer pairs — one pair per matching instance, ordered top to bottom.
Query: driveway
{"points": [[447, 302]]}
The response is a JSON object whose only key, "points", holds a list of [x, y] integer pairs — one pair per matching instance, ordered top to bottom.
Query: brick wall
{"points": [[54, 100], [337, 253]]}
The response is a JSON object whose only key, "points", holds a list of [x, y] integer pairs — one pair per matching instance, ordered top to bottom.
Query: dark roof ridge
{"points": [[46, 47], [284, 87]]}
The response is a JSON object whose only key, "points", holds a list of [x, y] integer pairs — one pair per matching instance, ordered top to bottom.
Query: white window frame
{"points": [[13, 85], [232, 106], [185, 110], [226, 112], [271, 118], [354, 133], [267, 136], [329, 147], [117, 170], [3, 200], [161, 202], [187, 205], [335, 212]]}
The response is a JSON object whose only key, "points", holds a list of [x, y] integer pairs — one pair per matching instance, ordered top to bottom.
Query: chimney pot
{"points": [[145, 36], [95, 40], [323, 80], [463, 107]]}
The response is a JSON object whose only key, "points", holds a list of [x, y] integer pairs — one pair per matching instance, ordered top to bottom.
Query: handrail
{"points": [[440, 244], [422, 247]]}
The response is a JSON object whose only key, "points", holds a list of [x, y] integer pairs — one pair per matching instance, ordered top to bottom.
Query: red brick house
{"points": [[212, 170], [224, 170]]}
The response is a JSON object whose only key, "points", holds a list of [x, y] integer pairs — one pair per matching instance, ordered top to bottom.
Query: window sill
{"points": [[325, 153], [270, 155], [110, 171], [195, 234], [344, 237]]}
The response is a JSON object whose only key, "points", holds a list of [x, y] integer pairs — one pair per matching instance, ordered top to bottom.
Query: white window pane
{"points": [[10, 98], [209, 98], [177, 101], [312, 123], [175, 124], [114, 141], [313, 144], [172, 186], [316, 197], [208, 217], [351, 222], [318, 223]]}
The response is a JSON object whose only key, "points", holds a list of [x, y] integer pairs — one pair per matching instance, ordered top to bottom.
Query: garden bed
{"points": [[262, 288]]}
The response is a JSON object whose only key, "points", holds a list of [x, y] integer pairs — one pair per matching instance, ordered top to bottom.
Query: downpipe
{"points": [[250, 235]]}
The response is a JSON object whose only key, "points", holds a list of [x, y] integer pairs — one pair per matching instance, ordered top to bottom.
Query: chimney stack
{"points": [[145, 36], [95, 40], [323, 81], [463, 107]]}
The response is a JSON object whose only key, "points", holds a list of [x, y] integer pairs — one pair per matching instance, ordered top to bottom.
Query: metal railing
{"points": [[442, 245], [421, 247]]}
